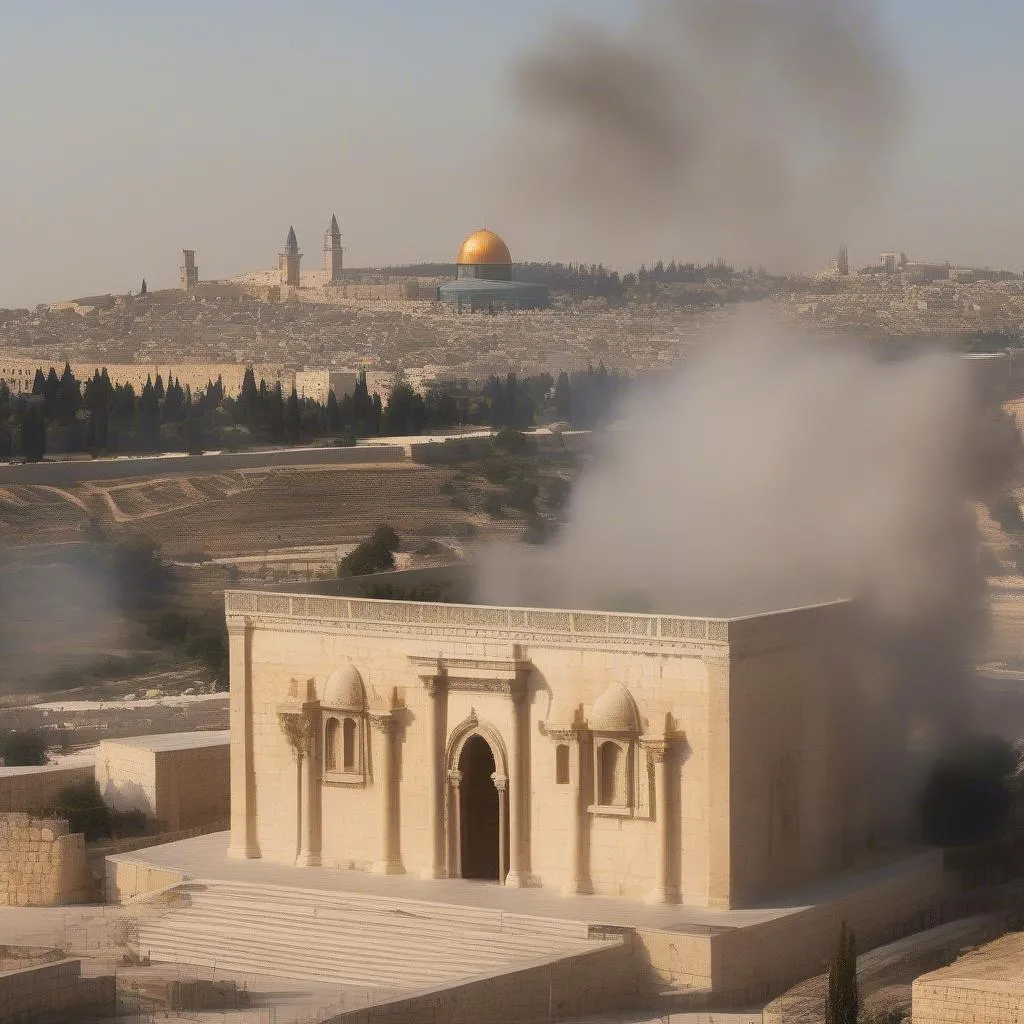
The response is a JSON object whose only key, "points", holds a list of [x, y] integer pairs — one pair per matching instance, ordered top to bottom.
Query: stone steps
{"points": [[483, 917], [389, 945]]}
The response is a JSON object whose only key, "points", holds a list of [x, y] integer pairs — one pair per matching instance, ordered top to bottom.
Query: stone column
{"points": [[437, 693], [297, 724], [659, 752], [243, 773], [501, 785], [455, 839], [309, 849], [519, 854], [390, 861], [574, 882]]}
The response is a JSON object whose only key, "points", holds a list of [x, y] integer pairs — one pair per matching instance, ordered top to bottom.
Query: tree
{"points": [[142, 290], [293, 419], [33, 434], [843, 1003]]}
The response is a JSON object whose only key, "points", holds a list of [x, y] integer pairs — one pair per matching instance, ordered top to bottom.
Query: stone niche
{"points": [[41, 863]]}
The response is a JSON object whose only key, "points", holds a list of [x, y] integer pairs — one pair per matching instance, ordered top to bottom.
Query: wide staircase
{"points": [[388, 945]]}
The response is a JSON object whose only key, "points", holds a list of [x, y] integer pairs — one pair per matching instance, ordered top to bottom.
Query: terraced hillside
{"points": [[242, 512]]}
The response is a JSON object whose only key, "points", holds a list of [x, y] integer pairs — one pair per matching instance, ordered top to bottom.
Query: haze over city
{"points": [[136, 133]]}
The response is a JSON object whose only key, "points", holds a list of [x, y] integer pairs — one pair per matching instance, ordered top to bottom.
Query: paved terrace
{"points": [[204, 858]]}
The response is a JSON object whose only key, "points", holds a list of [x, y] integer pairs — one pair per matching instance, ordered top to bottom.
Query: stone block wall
{"points": [[35, 789], [41, 864], [54, 990]]}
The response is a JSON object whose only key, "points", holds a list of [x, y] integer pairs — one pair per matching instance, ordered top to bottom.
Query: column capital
{"points": [[238, 624], [435, 684], [383, 721], [298, 727], [565, 734], [658, 749], [455, 777], [500, 782]]}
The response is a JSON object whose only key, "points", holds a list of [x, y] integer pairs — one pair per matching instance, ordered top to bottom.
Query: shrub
{"points": [[514, 442], [497, 470], [447, 489], [522, 493], [556, 493], [461, 503], [493, 505], [464, 530], [376, 554], [22, 748], [83, 807]]}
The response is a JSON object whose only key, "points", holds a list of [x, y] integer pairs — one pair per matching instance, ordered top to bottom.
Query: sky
{"points": [[132, 130]]}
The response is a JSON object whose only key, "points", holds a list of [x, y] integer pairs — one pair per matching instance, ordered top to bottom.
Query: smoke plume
{"points": [[753, 126], [775, 471]]}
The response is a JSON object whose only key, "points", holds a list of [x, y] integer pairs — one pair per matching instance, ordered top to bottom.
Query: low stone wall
{"points": [[33, 790], [97, 853], [41, 864], [126, 879], [729, 966], [592, 982], [53, 990]]}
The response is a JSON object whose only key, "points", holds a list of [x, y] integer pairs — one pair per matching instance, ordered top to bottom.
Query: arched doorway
{"points": [[480, 812]]}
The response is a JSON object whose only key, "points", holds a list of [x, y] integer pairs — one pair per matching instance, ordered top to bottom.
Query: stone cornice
{"points": [[533, 625], [473, 675]]}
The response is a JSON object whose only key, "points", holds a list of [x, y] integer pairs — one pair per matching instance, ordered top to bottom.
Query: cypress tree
{"points": [[843, 1003]]}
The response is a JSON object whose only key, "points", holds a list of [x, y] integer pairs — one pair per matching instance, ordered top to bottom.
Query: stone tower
{"points": [[333, 250], [288, 261], [189, 272]]}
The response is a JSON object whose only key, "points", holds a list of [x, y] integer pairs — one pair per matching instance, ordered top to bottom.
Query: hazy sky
{"points": [[130, 130]]}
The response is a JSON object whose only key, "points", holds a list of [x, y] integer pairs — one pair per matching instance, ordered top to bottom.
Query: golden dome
{"points": [[484, 247]]}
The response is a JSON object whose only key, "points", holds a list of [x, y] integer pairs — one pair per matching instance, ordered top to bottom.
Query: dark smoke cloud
{"points": [[754, 127]]}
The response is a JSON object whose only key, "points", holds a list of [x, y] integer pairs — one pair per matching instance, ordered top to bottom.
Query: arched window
{"points": [[332, 737], [349, 752], [562, 764], [611, 782]]}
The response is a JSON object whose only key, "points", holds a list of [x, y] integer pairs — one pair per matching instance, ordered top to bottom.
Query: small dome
{"points": [[484, 247], [344, 689], [615, 711]]}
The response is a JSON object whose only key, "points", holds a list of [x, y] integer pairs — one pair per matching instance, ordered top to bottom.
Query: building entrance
{"points": [[480, 813]]}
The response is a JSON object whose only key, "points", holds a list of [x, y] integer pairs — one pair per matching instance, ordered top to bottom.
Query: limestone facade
{"points": [[658, 757]]}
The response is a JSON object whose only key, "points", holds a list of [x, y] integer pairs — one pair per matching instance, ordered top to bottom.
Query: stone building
{"points": [[288, 261], [189, 271], [485, 279], [646, 756]]}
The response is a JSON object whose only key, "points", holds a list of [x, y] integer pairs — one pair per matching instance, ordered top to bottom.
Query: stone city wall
{"points": [[35, 789], [41, 864], [592, 982], [55, 990]]}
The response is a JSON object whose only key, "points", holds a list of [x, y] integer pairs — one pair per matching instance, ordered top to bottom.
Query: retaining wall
{"points": [[41, 864], [591, 982]]}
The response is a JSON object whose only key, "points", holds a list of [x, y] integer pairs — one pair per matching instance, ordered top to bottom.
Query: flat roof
{"points": [[175, 740]]}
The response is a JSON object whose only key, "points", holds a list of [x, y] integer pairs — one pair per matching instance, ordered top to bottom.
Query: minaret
{"points": [[333, 250], [288, 261], [189, 272]]}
